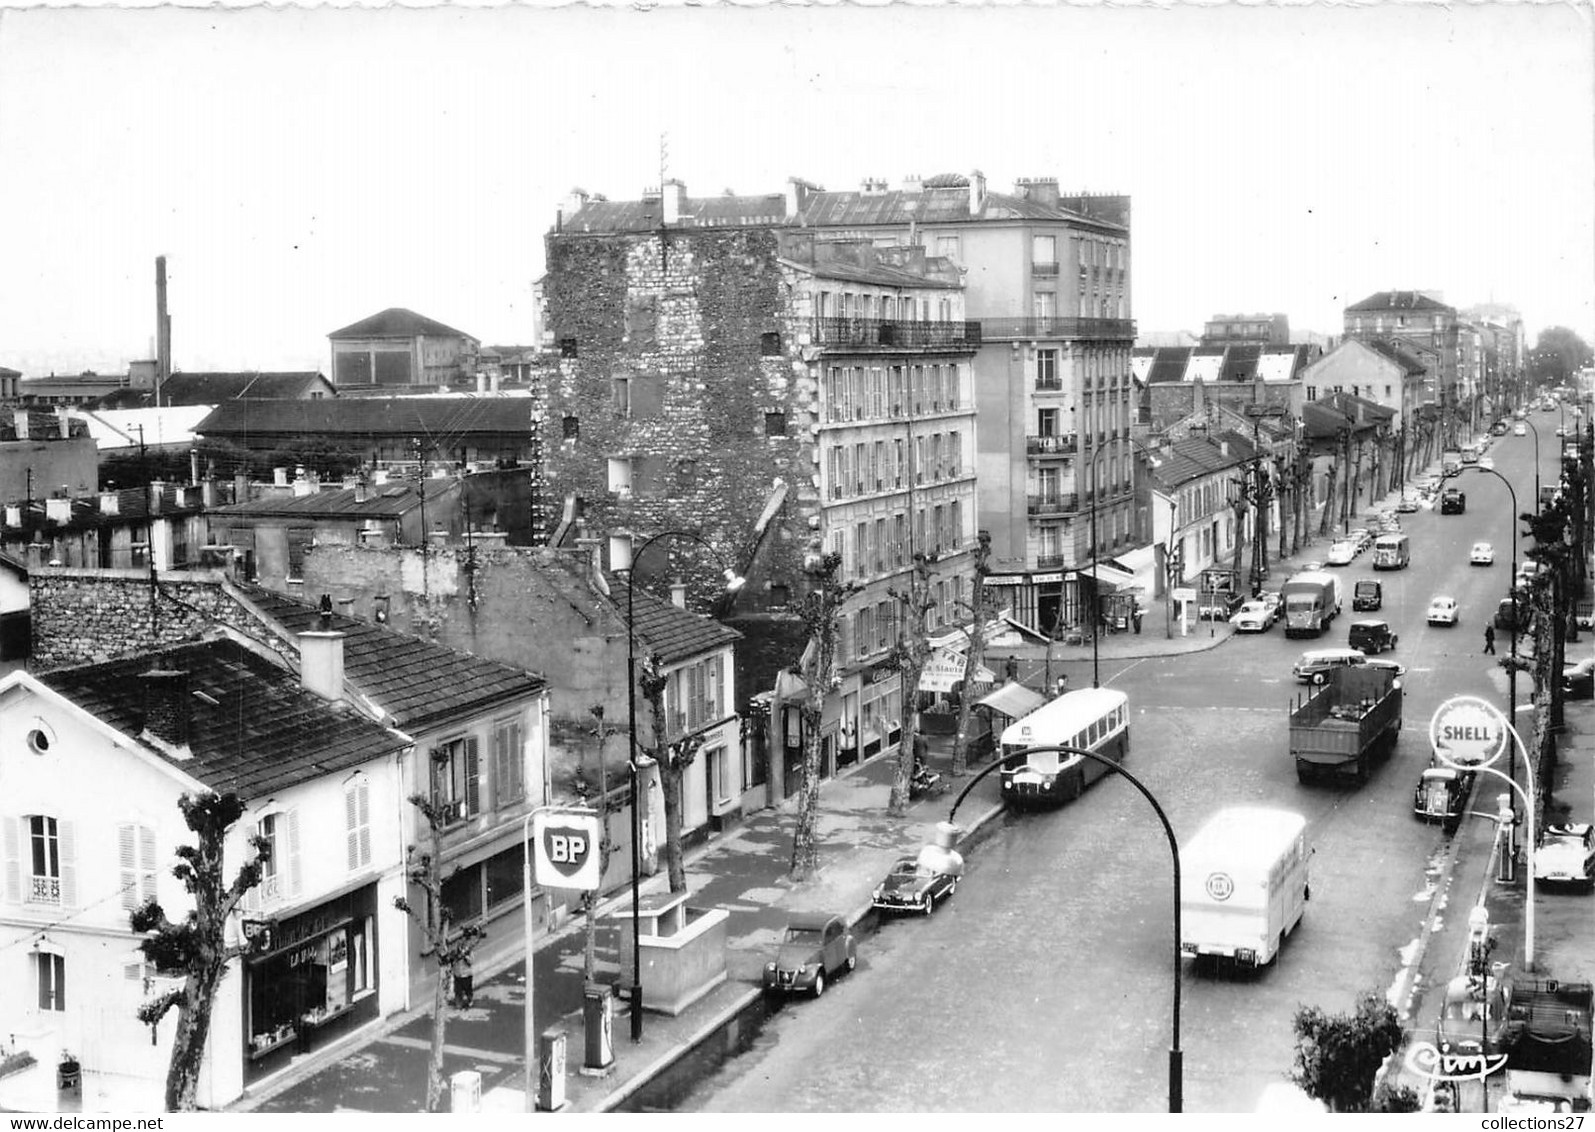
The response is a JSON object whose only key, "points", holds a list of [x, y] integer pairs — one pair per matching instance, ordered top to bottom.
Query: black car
{"points": [[1453, 502], [1367, 595], [1371, 636]]}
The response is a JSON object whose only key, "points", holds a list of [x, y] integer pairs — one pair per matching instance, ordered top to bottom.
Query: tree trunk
{"points": [[1328, 519], [820, 609], [911, 653], [976, 656], [670, 773], [805, 844], [440, 1022], [193, 1031]]}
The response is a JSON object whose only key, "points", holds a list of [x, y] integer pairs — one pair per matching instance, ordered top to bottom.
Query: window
{"points": [[948, 247], [1044, 253], [1044, 307], [770, 345], [567, 348], [620, 390], [1312, 393], [1046, 422], [774, 424], [570, 426], [620, 475], [300, 540], [860, 551], [456, 778], [509, 779], [357, 820], [136, 856], [49, 859], [52, 980]]}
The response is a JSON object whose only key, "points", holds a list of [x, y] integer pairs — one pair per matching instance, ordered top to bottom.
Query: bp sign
{"points": [[1467, 732], [565, 849]]}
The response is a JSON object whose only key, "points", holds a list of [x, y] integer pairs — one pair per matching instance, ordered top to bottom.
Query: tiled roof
{"points": [[880, 273], [1399, 301], [397, 322], [1406, 361], [1169, 364], [210, 388], [1324, 419], [441, 420], [1195, 457], [383, 500], [132, 506], [662, 627], [416, 682], [253, 730]]}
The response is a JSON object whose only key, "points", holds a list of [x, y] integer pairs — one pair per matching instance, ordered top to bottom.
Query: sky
{"points": [[304, 168]]}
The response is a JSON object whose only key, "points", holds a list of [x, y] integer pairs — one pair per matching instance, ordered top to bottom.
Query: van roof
{"points": [[1260, 831]]}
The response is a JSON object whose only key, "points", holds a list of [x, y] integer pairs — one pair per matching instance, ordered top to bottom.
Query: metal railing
{"points": [[1094, 328], [888, 333], [1062, 444], [1052, 503]]}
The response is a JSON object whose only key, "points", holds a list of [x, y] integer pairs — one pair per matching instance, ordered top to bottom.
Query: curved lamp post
{"points": [[1536, 433], [733, 583], [1511, 590], [1176, 1055]]}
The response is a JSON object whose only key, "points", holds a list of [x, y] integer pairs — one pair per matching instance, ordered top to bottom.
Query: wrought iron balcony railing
{"points": [[1090, 328], [896, 334], [1059, 445], [1052, 503]]}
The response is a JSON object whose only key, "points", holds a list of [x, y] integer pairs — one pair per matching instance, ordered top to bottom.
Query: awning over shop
{"points": [[1109, 575], [1013, 700]]}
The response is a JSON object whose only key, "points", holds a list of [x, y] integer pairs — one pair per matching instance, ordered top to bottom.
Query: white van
{"points": [[1243, 884]]}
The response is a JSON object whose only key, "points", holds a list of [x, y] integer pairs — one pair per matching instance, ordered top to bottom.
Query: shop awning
{"points": [[1108, 574], [789, 686], [1013, 700]]}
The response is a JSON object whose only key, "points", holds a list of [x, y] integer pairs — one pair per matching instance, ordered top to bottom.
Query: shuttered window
{"points": [[509, 780], [357, 820], [136, 858]]}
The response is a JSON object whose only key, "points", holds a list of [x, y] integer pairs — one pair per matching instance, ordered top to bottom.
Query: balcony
{"points": [[1044, 270], [1100, 329], [896, 334], [1060, 445], [1052, 503], [1051, 561], [45, 890]]}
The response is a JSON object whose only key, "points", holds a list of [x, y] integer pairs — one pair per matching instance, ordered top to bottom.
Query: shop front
{"points": [[312, 977]]}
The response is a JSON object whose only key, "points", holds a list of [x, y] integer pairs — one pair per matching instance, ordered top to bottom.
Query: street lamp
{"points": [[1536, 433], [733, 583], [1176, 1055]]}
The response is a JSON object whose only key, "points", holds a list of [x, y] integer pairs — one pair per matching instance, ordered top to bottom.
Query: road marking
{"points": [[463, 1051]]}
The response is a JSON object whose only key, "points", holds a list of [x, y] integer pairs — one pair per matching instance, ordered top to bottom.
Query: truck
{"points": [[1311, 600], [1338, 728], [1243, 885], [1547, 1043]]}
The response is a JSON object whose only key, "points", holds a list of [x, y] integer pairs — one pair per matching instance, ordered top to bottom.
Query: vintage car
{"points": [[1520, 429], [1453, 501], [1406, 505], [1342, 553], [1482, 554], [1367, 595], [1442, 611], [1255, 617], [1370, 636], [1315, 664], [1578, 680], [1442, 795], [1566, 855], [916, 884], [816, 946], [1475, 1010]]}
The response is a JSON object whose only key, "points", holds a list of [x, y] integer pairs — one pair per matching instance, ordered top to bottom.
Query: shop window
{"points": [[717, 774], [509, 780], [357, 820], [136, 856], [502, 874], [462, 895], [50, 971]]}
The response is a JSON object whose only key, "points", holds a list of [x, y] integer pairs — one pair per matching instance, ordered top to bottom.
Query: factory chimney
{"points": [[163, 330]]}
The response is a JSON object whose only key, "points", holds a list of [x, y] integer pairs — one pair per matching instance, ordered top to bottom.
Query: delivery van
{"points": [[1391, 552], [1243, 885]]}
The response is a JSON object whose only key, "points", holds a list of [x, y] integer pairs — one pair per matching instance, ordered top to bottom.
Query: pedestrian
{"points": [[1140, 611], [1489, 640], [1010, 668], [1057, 689], [464, 991]]}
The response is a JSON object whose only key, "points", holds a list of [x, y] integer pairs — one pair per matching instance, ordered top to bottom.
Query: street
{"points": [[1046, 984]]}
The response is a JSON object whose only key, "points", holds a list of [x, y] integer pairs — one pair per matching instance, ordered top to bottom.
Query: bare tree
{"points": [[820, 610], [978, 612], [910, 655], [673, 758], [606, 847], [197, 945], [448, 945]]}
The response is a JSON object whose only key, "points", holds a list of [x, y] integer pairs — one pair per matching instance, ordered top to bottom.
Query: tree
{"points": [[1557, 356], [819, 612], [977, 648], [910, 654], [673, 759], [606, 848], [448, 945], [196, 946], [1338, 1055]]}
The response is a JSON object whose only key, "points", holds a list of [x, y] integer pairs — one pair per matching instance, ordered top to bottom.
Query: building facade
{"points": [[398, 348]]}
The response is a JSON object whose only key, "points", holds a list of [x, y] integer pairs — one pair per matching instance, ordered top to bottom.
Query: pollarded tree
{"points": [[979, 610], [910, 655], [673, 759], [197, 945], [1338, 1055]]}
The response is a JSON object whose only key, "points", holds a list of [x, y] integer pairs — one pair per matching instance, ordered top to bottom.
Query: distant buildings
{"points": [[398, 349]]}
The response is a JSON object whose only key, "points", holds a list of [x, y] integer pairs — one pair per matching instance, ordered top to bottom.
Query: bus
{"points": [[1391, 552], [1093, 719], [1243, 885]]}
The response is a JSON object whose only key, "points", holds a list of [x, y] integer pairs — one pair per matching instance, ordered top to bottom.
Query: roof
{"points": [[647, 214], [879, 273], [1400, 301], [397, 322], [1394, 353], [1237, 362], [210, 388], [440, 420], [114, 429], [1197, 456], [389, 500], [132, 507], [672, 633], [416, 682], [1013, 700], [254, 729]]}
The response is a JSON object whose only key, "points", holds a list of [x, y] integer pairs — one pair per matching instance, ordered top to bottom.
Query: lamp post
{"points": [[1536, 433], [733, 583], [529, 1024], [1176, 1055]]}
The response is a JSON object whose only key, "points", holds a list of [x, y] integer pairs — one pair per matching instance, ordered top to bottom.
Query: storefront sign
{"points": [[1040, 579], [1005, 580], [1183, 593], [1468, 732], [565, 849], [261, 935]]}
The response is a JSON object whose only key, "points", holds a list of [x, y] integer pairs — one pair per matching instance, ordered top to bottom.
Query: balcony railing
{"points": [[1044, 270], [1093, 328], [895, 334], [1049, 385], [1060, 445], [1052, 503], [1051, 561], [45, 890]]}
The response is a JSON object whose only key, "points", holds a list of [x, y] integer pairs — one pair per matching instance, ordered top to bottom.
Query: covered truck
{"points": [[1311, 600], [1339, 727], [1547, 1042]]}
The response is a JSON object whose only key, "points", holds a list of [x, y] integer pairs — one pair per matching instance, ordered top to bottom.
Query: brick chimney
{"points": [[673, 196], [678, 594], [321, 657], [168, 710]]}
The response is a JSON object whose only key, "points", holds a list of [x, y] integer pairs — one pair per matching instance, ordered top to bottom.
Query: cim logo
{"points": [[1467, 732], [566, 846], [1220, 886], [1426, 1060]]}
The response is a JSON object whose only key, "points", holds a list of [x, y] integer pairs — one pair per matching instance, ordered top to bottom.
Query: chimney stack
{"points": [[977, 193], [673, 198], [163, 330], [678, 594], [321, 660], [168, 710]]}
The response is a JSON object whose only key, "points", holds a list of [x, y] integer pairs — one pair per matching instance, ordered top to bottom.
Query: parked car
{"points": [[1498, 428], [1520, 429], [1561, 430], [1487, 463], [1453, 501], [1407, 504], [1364, 536], [1342, 553], [1482, 554], [1367, 595], [1271, 599], [1442, 611], [1506, 613], [1255, 617], [1370, 636], [1315, 664], [1398, 669], [1578, 680], [1442, 795], [1566, 854], [914, 885], [816, 946]]}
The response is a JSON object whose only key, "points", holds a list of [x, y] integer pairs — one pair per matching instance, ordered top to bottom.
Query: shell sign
{"points": [[1467, 732], [565, 849]]}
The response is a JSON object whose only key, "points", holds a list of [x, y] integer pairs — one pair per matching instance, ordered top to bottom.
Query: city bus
{"points": [[1391, 552], [1093, 719], [1243, 885]]}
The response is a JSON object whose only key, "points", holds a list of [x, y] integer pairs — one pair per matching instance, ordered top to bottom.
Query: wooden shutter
{"points": [[473, 779], [365, 821], [351, 822], [11, 833], [127, 859], [146, 863], [69, 866], [291, 873]]}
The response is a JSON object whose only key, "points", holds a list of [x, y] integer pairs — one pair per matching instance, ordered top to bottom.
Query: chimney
{"points": [[911, 184], [977, 193], [797, 195], [673, 196], [575, 201], [163, 330], [481, 383], [20, 416], [63, 418], [1223, 448], [193, 466], [379, 476], [279, 477], [303, 485], [241, 488], [157, 489], [360, 489], [207, 494], [58, 510], [13, 514], [375, 536], [36, 552], [619, 552], [678, 594], [321, 657], [168, 710]]}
